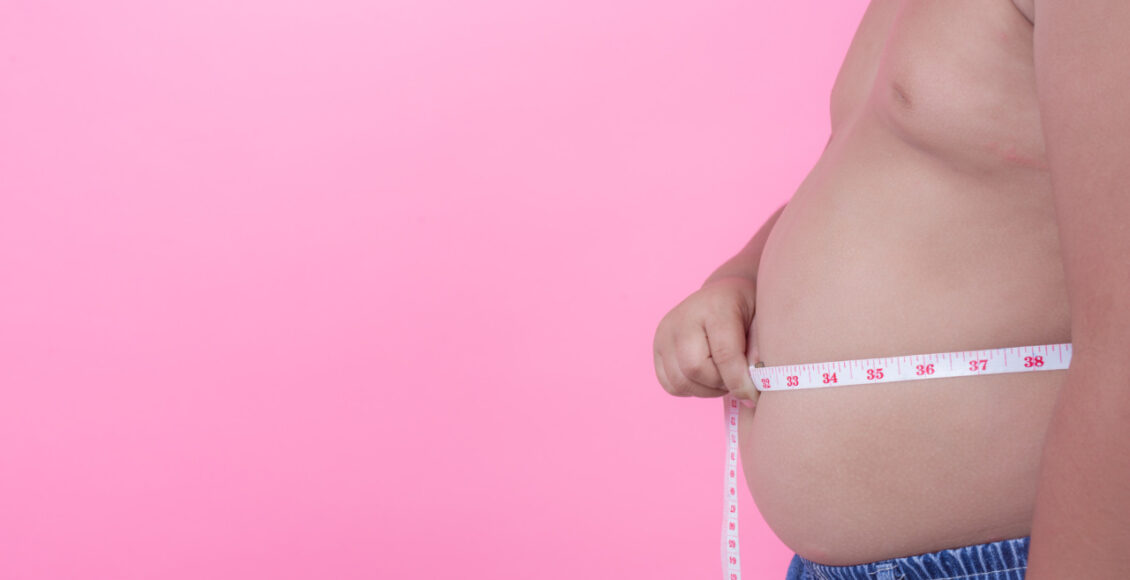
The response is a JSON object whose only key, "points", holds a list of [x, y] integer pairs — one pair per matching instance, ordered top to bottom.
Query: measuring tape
{"points": [[1048, 357]]}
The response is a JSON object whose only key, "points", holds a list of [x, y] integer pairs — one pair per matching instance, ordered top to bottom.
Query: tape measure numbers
{"points": [[1048, 357]]}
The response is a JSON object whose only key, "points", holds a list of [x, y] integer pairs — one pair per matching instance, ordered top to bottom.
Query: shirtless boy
{"points": [[974, 195]]}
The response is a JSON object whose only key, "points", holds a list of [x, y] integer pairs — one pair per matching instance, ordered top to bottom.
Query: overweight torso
{"points": [[927, 225]]}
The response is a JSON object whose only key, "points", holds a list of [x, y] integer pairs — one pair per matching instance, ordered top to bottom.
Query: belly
{"points": [[883, 251]]}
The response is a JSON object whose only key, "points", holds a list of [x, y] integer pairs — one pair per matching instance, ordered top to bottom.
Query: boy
{"points": [[972, 196]]}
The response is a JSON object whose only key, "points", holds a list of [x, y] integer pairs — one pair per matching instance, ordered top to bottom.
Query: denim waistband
{"points": [[1003, 560]]}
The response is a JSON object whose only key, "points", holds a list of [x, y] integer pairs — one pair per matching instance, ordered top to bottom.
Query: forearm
{"points": [[745, 263], [1081, 524]]}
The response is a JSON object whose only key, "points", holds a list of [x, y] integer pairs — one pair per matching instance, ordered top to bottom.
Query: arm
{"points": [[746, 262], [700, 345], [1081, 523]]}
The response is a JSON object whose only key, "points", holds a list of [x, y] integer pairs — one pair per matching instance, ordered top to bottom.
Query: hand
{"points": [[701, 344]]}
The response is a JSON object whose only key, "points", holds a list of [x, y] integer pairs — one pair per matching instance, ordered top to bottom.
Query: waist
{"points": [[1045, 357]]}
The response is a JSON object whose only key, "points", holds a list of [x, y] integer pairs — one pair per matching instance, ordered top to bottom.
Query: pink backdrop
{"points": [[348, 289]]}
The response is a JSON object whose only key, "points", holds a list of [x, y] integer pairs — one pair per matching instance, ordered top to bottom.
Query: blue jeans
{"points": [[1003, 560]]}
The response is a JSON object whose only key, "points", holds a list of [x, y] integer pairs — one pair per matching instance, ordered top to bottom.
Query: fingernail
{"points": [[747, 403]]}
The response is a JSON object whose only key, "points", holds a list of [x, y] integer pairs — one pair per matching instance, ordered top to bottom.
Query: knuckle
{"points": [[723, 303], [697, 371], [680, 388]]}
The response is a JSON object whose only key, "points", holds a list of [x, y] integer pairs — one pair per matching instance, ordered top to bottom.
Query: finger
{"points": [[727, 338], [692, 355], [659, 372], [665, 380], [679, 385], [751, 402]]}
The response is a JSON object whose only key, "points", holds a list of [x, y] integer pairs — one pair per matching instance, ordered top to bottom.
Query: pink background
{"points": [[348, 289]]}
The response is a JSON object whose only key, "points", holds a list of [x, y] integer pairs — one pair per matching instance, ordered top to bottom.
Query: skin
{"points": [[970, 197]]}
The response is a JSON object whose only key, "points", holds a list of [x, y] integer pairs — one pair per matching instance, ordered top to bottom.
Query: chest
{"points": [[954, 77]]}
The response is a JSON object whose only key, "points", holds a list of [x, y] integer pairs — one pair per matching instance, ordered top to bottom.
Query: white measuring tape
{"points": [[1048, 357]]}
